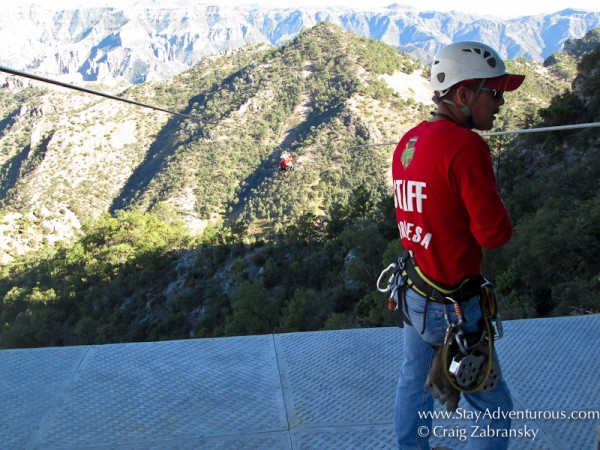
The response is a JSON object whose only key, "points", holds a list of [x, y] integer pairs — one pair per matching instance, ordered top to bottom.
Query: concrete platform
{"points": [[319, 390]]}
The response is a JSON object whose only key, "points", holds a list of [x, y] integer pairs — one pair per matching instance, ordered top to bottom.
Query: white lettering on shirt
{"points": [[409, 195], [414, 233]]}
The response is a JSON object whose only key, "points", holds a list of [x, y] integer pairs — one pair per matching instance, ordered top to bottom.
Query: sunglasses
{"points": [[497, 94]]}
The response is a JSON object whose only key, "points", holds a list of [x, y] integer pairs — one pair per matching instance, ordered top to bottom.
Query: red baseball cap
{"points": [[506, 82]]}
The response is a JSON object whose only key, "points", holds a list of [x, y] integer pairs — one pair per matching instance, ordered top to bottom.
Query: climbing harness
{"points": [[405, 273], [436, 292], [466, 359]]}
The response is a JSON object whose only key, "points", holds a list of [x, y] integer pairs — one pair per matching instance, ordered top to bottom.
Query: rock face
{"points": [[145, 42]]}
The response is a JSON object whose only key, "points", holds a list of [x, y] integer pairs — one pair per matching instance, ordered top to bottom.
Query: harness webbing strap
{"points": [[419, 282]]}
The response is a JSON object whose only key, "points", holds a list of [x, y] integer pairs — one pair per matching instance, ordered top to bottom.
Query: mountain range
{"points": [[154, 42], [68, 157], [119, 223]]}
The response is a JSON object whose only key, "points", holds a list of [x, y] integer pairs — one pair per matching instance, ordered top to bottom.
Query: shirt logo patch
{"points": [[408, 152]]}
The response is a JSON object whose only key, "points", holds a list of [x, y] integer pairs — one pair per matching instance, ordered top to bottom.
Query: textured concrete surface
{"points": [[319, 390]]}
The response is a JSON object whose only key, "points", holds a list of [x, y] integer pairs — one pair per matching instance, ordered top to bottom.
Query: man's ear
{"points": [[462, 96]]}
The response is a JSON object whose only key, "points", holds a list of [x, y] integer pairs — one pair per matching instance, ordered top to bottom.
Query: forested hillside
{"points": [[66, 158], [551, 183], [181, 229]]}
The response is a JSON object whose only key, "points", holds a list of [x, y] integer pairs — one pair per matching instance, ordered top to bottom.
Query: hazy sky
{"points": [[507, 8]]}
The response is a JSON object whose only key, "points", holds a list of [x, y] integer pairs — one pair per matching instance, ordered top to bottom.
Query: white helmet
{"points": [[469, 60]]}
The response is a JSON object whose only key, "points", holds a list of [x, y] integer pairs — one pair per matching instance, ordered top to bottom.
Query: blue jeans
{"points": [[413, 431]]}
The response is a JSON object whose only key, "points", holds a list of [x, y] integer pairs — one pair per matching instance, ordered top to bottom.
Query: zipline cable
{"points": [[90, 91], [186, 116], [542, 129], [500, 133]]}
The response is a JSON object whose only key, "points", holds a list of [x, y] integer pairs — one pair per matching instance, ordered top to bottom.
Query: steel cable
{"points": [[90, 91], [186, 116]]}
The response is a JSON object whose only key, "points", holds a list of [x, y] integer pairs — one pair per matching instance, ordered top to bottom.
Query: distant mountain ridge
{"points": [[142, 43], [67, 157]]}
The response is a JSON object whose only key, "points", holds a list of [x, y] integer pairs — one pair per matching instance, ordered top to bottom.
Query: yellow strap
{"points": [[438, 287], [488, 301]]}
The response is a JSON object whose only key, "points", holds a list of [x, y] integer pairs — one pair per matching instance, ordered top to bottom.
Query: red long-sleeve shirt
{"points": [[447, 201]]}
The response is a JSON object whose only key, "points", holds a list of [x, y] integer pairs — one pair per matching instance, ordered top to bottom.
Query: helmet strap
{"points": [[467, 110]]}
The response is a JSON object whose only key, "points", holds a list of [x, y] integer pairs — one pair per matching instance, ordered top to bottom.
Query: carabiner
{"points": [[392, 266]]}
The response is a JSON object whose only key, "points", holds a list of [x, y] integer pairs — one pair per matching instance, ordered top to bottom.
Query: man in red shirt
{"points": [[448, 208]]}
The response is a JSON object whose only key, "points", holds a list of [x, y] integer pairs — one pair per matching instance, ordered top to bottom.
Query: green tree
{"points": [[253, 311]]}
